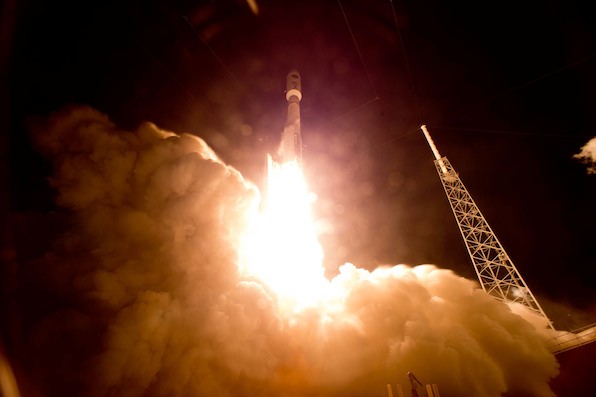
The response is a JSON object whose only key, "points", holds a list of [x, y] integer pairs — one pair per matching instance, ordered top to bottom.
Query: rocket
{"points": [[290, 147]]}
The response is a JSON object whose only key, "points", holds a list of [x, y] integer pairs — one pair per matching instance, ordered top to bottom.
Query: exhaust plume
{"points": [[588, 155], [142, 295]]}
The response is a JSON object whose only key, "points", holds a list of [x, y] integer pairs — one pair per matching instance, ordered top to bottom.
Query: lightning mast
{"points": [[496, 272]]}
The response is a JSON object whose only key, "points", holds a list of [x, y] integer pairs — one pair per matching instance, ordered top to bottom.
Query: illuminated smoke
{"points": [[588, 155], [145, 297]]}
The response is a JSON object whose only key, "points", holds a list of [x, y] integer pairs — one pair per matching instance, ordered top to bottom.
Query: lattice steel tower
{"points": [[496, 272]]}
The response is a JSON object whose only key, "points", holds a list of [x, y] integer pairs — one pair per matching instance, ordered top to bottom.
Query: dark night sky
{"points": [[507, 89]]}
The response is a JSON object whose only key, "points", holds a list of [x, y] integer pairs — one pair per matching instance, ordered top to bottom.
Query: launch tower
{"points": [[496, 272]]}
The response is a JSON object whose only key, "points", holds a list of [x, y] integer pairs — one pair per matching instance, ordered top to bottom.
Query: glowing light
{"points": [[254, 7], [282, 250], [518, 292]]}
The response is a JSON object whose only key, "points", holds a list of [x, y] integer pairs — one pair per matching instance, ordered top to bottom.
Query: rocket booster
{"points": [[290, 147]]}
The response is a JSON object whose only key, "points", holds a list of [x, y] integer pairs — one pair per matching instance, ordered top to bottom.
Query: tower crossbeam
{"points": [[496, 272]]}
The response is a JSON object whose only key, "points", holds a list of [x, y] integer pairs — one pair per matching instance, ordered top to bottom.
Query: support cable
{"points": [[359, 52], [219, 60], [407, 63], [177, 81], [527, 83], [507, 92], [349, 112], [502, 132], [393, 138]]}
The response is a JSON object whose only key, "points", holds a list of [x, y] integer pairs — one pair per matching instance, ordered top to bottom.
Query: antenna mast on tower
{"points": [[496, 272]]}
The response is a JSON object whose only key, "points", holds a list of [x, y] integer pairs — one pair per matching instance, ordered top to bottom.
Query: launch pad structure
{"points": [[496, 272]]}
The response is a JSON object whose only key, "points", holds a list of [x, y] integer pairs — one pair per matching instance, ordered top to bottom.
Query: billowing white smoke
{"points": [[588, 155], [147, 299]]}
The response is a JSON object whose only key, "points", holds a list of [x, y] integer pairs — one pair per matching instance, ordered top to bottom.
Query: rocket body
{"points": [[290, 147]]}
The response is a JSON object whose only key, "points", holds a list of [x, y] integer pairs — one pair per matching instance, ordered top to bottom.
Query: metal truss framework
{"points": [[496, 272]]}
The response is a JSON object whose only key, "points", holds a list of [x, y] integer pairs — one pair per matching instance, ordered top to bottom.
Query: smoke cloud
{"points": [[588, 155], [142, 295]]}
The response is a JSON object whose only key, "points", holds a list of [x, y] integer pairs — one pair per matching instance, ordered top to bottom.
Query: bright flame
{"points": [[283, 250]]}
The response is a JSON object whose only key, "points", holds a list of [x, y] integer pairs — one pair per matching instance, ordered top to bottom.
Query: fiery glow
{"points": [[165, 204], [282, 250]]}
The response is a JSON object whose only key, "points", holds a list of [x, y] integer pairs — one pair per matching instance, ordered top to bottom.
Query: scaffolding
{"points": [[496, 272]]}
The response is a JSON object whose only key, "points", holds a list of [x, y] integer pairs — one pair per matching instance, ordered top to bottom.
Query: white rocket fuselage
{"points": [[290, 147]]}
